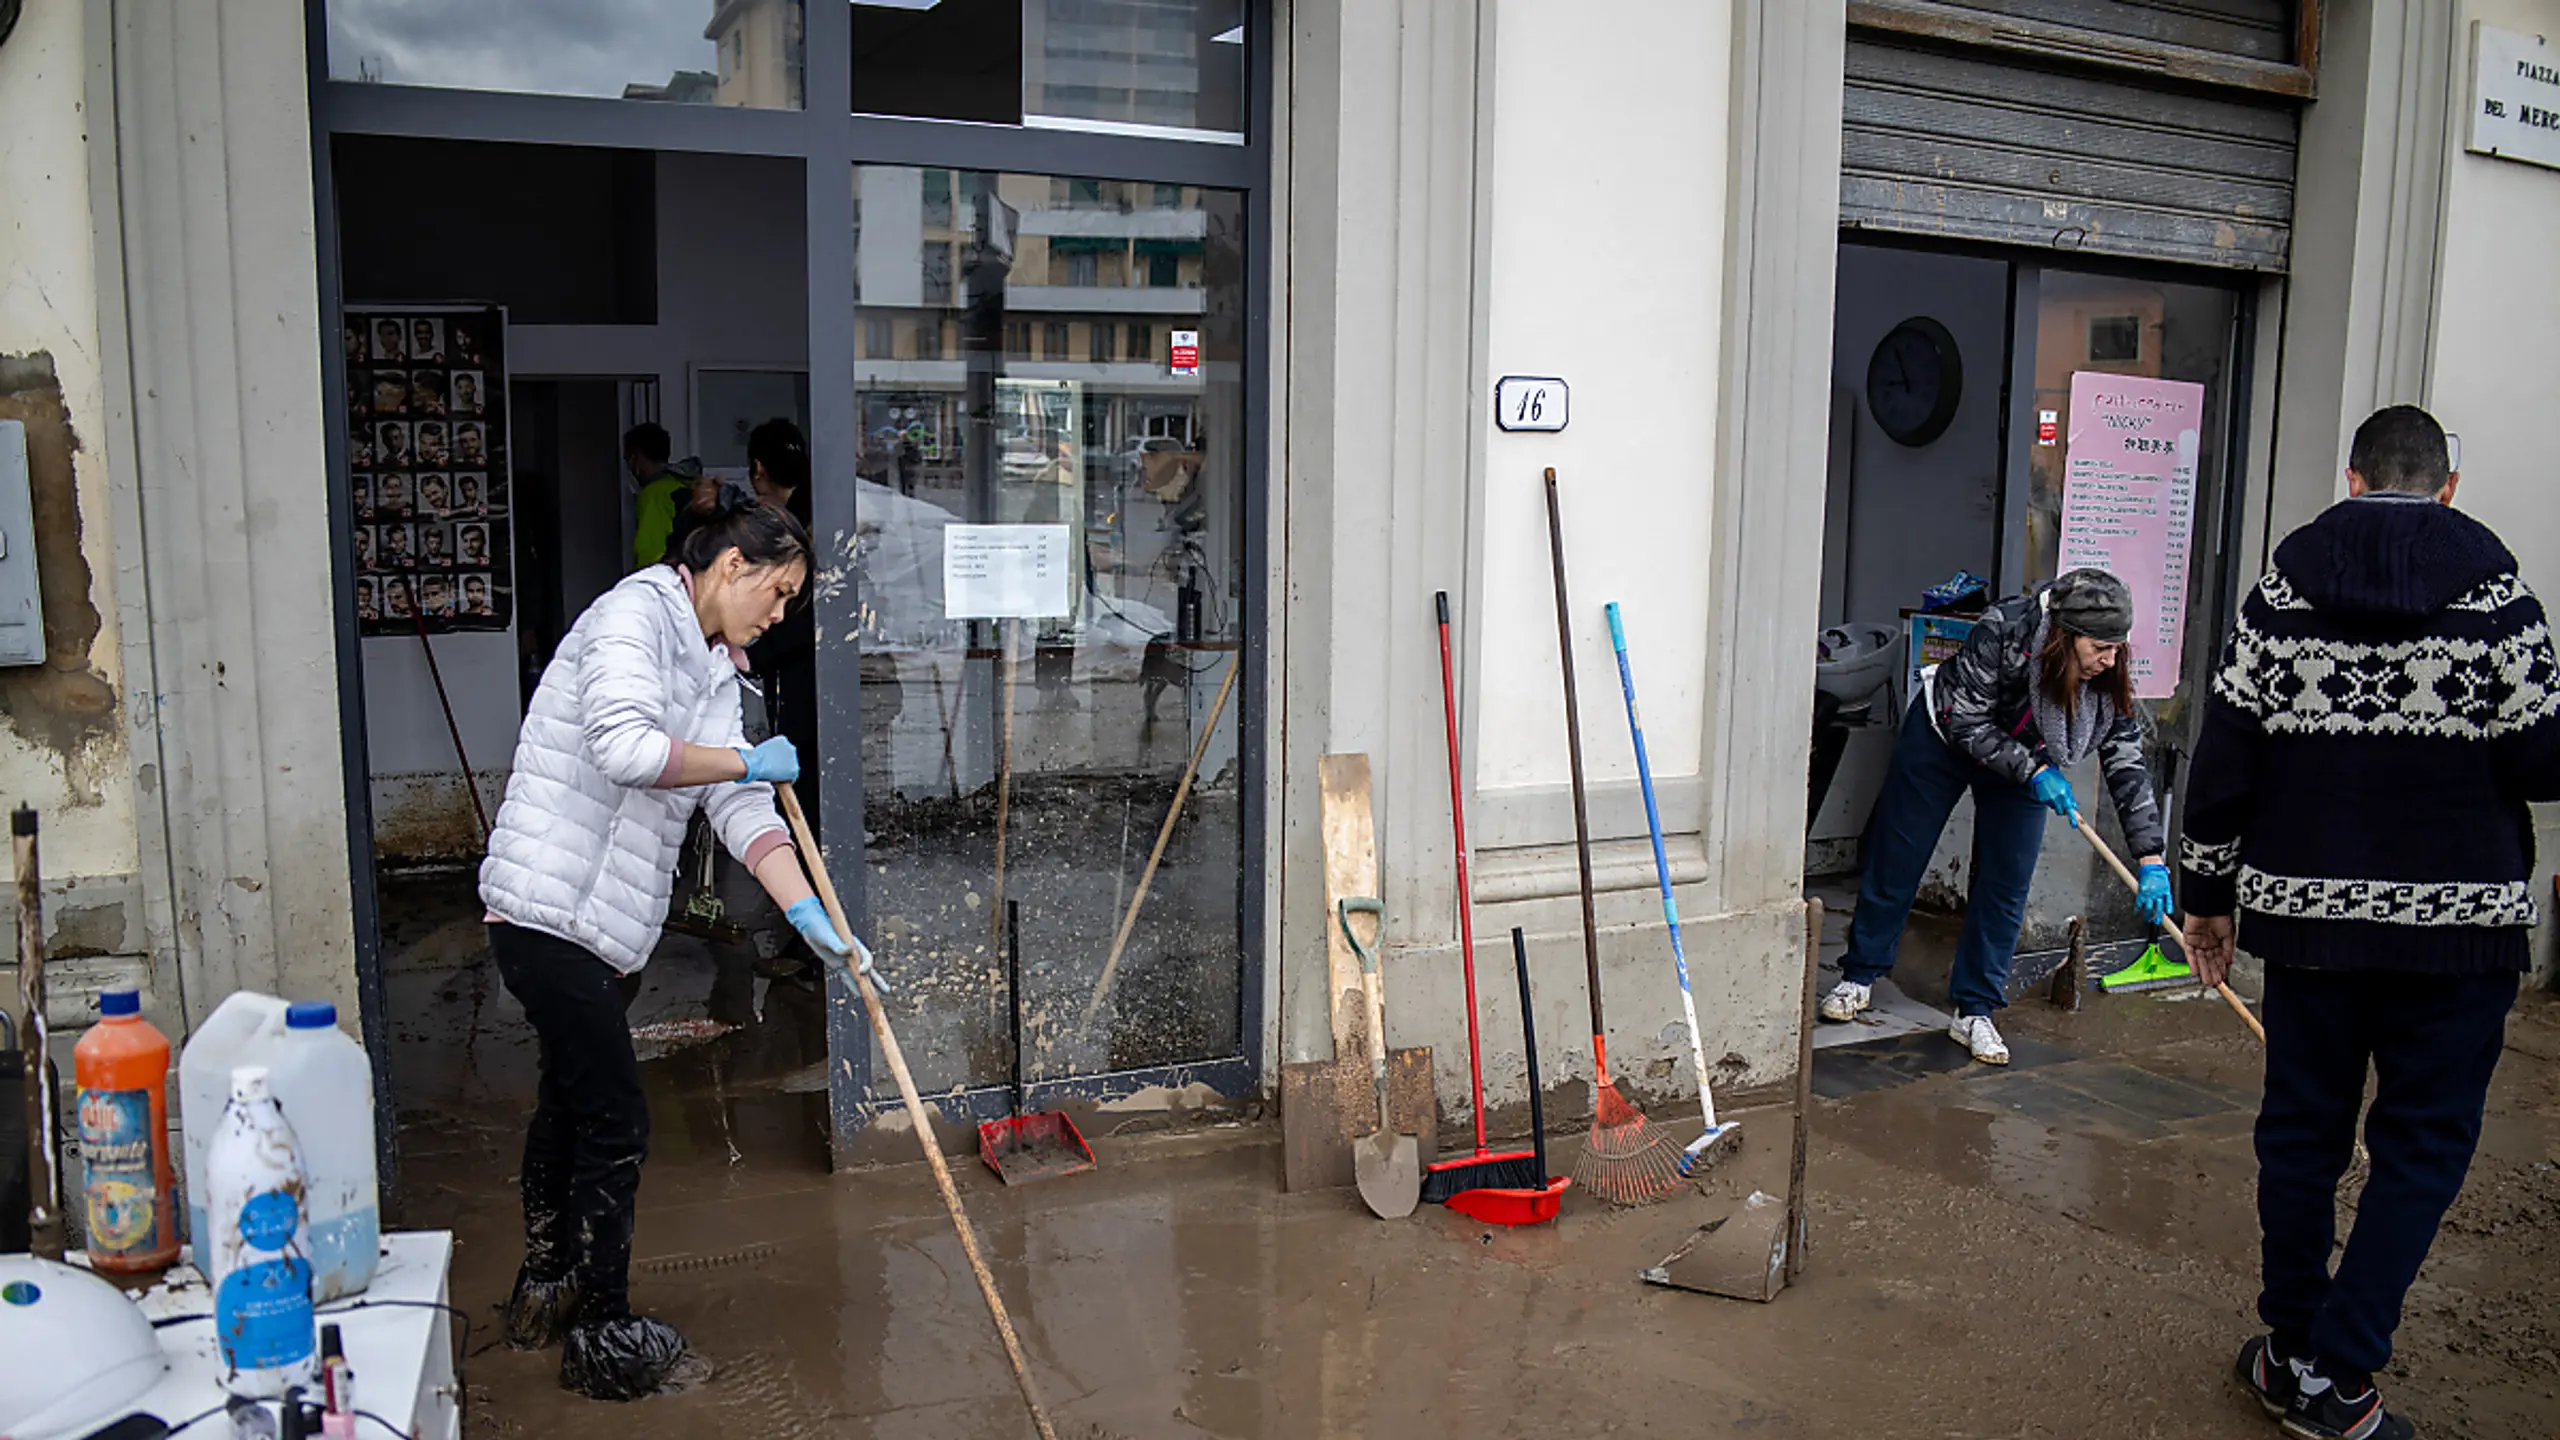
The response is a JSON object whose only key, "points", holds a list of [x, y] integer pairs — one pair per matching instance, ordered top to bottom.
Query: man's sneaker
{"points": [[1847, 999], [1977, 1034], [2268, 1375], [2322, 1410]]}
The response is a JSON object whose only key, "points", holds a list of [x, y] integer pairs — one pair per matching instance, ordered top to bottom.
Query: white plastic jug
{"points": [[243, 1030], [325, 1086], [257, 1256]]}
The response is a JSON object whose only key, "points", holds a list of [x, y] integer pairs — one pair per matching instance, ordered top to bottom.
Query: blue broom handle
{"points": [[1661, 862]]}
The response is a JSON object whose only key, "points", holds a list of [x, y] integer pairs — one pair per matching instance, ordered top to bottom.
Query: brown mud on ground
{"points": [[2066, 1248]]}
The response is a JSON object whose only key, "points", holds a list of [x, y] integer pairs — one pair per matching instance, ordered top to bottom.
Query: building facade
{"points": [[1217, 294]]}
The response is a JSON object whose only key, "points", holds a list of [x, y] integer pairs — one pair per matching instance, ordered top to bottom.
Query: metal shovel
{"points": [[1387, 1165]]}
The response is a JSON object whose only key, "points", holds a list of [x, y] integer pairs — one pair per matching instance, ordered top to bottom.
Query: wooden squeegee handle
{"points": [[2238, 1006], [923, 1119]]}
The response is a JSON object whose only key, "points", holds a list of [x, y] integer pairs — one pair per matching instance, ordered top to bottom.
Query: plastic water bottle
{"points": [[243, 1030], [123, 1068], [325, 1086], [260, 1261]]}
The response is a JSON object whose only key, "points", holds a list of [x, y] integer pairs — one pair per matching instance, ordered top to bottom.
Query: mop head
{"points": [[2154, 971], [1702, 1152]]}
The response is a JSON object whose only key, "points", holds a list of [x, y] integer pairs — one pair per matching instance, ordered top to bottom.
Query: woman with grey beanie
{"points": [[2039, 686]]}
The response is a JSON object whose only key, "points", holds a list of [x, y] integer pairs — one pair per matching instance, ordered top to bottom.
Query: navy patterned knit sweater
{"points": [[2388, 706]]}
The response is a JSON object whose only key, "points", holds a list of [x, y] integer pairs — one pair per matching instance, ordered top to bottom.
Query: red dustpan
{"points": [[1039, 1146], [1521, 1207]]}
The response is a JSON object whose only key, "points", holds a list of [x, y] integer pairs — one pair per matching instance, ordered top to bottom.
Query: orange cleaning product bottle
{"points": [[122, 1066]]}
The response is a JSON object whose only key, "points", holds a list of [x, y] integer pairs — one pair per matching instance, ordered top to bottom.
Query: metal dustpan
{"points": [[1044, 1144], [1742, 1255]]}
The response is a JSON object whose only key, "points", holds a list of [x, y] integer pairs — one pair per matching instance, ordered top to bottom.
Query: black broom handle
{"points": [[1529, 1038]]}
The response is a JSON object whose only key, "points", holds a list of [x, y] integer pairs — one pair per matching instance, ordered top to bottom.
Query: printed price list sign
{"points": [[2129, 502]]}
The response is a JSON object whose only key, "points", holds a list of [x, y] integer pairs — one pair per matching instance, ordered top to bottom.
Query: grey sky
{"points": [[551, 47]]}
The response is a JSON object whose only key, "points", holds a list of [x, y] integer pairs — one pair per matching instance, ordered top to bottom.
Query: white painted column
{"points": [[211, 266]]}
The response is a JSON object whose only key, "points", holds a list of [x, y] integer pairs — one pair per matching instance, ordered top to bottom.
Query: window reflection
{"points": [[690, 52], [1174, 67], [1011, 372]]}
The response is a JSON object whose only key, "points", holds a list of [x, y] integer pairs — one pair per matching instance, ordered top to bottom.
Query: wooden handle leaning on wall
{"points": [[2238, 1006], [916, 1112]]}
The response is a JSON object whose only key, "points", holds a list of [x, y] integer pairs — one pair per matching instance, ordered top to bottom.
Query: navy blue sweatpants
{"points": [[1921, 790], [2432, 1042]]}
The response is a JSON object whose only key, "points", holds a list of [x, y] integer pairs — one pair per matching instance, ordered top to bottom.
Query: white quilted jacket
{"points": [[586, 844]]}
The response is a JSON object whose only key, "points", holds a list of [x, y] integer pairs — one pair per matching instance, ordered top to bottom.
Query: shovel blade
{"points": [[1389, 1170]]}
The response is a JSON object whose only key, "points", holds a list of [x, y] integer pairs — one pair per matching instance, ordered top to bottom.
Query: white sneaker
{"points": [[1846, 999], [1978, 1034]]}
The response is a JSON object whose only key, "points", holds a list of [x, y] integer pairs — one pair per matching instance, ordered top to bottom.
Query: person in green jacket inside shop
{"points": [[665, 485]]}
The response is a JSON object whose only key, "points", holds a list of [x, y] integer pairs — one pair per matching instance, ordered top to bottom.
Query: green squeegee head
{"points": [[2153, 971]]}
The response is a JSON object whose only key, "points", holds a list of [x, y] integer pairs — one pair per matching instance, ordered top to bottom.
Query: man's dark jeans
{"points": [[1920, 792], [2432, 1042], [590, 1130]]}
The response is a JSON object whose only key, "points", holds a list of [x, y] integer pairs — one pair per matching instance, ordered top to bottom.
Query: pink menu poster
{"points": [[2129, 506]]}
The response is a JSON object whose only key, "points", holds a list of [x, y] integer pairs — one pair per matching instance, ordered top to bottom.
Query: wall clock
{"points": [[1914, 380]]}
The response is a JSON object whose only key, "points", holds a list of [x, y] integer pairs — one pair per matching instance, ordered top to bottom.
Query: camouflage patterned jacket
{"points": [[1981, 703]]}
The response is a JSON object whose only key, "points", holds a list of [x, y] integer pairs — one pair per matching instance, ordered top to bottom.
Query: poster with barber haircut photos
{"points": [[426, 466]]}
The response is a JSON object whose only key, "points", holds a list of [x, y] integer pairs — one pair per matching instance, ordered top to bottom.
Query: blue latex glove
{"points": [[772, 761], [2053, 791], [2153, 901], [808, 915]]}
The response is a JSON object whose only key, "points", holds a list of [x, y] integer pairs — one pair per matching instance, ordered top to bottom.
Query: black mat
{"points": [[1840, 1071]]}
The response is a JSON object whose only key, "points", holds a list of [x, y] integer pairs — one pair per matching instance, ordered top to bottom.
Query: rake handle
{"points": [[1581, 808], [2238, 1006], [916, 1112]]}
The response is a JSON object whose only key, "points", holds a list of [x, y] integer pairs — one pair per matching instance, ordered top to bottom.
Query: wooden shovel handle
{"points": [[2238, 1006], [916, 1112]]}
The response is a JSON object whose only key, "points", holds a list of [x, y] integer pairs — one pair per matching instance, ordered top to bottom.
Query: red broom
{"points": [[1485, 1169]]}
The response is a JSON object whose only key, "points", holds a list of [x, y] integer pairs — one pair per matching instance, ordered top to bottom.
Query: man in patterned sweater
{"points": [[2388, 707]]}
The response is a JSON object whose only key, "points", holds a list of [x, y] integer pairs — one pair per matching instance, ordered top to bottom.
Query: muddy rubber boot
{"points": [[539, 1312], [627, 1358]]}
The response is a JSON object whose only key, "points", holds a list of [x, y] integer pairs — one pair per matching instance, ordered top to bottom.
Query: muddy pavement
{"points": [[2063, 1249]]}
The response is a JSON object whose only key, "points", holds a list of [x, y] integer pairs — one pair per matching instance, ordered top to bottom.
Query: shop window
{"points": [[750, 54], [953, 60], [1154, 64], [560, 235], [2115, 339], [1053, 341]]}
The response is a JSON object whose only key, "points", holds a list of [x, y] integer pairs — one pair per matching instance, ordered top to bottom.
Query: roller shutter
{"points": [[2074, 125]]}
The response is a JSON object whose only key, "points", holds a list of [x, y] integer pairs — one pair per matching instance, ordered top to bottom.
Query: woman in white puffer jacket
{"points": [[636, 722]]}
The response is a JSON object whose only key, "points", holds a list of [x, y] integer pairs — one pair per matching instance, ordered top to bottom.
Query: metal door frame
{"points": [[830, 141]]}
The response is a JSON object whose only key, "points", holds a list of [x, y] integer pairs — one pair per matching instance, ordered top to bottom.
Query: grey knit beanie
{"points": [[2092, 603]]}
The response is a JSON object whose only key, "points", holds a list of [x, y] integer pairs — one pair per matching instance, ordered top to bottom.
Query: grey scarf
{"points": [[2068, 738]]}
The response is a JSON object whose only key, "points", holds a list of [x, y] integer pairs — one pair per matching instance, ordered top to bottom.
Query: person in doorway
{"points": [[665, 488], [786, 658], [2039, 686], [2389, 705], [635, 725]]}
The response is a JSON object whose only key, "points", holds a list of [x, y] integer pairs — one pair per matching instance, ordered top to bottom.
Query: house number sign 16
{"points": [[1531, 402]]}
